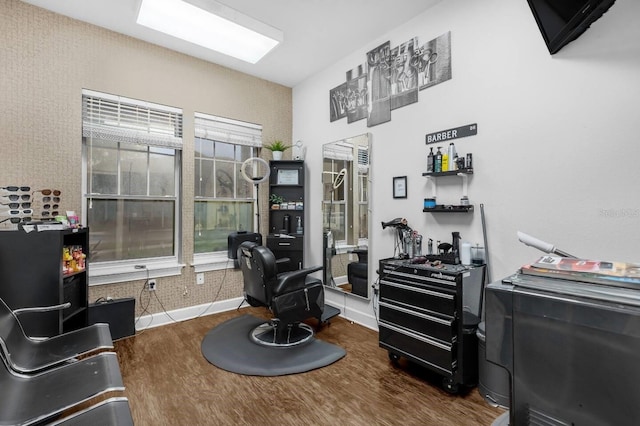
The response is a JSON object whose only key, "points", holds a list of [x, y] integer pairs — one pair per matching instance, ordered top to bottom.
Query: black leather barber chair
{"points": [[357, 273], [292, 297]]}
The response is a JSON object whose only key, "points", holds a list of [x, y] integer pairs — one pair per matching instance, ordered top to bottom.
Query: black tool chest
{"points": [[430, 316]]}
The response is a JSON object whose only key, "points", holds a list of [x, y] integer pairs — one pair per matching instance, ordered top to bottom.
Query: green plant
{"points": [[277, 146], [276, 199]]}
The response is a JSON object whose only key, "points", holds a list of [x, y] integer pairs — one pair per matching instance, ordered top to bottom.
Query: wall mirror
{"points": [[345, 214]]}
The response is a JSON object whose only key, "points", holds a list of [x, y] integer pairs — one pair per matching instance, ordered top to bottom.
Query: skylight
{"points": [[211, 25]]}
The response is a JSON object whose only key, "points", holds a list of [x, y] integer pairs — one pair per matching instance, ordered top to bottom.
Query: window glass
{"points": [[103, 168], [133, 172], [224, 199], [215, 220], [123, 228], [131, 229]]}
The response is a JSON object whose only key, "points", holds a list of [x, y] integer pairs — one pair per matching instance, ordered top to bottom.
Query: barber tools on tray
{"points": [[408, 245]]}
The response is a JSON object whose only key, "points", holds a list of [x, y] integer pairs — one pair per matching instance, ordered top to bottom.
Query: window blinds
{"points": [[119, 119], [227, 130], [338, 151], [363, 159]]}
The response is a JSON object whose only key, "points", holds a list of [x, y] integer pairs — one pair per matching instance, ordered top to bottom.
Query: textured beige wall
{"points": [[45, 62]]}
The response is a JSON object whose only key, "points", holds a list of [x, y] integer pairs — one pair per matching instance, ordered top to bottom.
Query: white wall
{"points": [[556, 153]]}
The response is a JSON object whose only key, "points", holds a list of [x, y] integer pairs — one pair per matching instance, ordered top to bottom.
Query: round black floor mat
{"points": [[228, 346]]}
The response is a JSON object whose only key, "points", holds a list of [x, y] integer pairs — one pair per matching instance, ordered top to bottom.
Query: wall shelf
{"points": [[468, 171], [448, 209]]}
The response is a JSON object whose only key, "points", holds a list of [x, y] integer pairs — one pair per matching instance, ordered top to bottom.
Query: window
{"points": [[131, 152], [363, 195], [224, 201], [335, 208]]}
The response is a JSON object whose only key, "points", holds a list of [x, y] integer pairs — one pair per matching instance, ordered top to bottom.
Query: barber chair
{"points": [[357, 273], [292, 297]]}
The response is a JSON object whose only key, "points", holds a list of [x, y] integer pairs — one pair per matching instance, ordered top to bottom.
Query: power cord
{"points": [[215, 298]]}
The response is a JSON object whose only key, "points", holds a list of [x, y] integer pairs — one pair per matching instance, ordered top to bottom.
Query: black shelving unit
{"points": [[287, 181], [31, 275]]}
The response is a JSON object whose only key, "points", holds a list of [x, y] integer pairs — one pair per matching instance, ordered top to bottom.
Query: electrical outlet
{"points": [[200, 278], [151, 285]]}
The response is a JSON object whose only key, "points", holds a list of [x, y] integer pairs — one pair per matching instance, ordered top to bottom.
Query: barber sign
{"points": [[450, 134]]}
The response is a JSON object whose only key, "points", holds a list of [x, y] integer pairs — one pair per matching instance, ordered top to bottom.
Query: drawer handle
{"points": [[284, 244], [424, 279], [418, 290], [415, 314], [417, 337]]}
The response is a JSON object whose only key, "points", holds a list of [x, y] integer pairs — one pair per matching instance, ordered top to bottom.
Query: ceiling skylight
{"points": [[211, 25]]}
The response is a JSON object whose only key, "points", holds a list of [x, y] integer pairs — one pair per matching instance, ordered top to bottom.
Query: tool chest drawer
{"points": [[421, 296], [428, 325], [419, 348]]}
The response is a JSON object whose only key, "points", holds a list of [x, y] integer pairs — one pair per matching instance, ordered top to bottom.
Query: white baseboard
{"points": [[359, 313], [183, 314]]}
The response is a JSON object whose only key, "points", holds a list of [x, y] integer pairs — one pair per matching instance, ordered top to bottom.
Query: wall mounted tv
{"points": [[562, 21]]}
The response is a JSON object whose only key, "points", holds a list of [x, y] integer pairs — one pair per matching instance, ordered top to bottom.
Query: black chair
{"points": [[358, 273], [292, 297], [26, 355], [34, 399]]}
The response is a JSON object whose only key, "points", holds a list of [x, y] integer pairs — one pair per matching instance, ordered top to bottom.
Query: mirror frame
{"points": [[337, 257]]}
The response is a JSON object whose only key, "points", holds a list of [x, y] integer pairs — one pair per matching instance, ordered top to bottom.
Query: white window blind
{"points": [[118, 119], [227, 130], [338, 152], [363, 159]]}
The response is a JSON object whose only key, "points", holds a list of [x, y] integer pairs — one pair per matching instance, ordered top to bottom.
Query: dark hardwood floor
{"points": [[169, 382]]}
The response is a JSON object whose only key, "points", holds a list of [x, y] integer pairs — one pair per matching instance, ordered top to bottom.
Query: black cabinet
{"points": [[286, 212], [32, 274], [429, 315]]}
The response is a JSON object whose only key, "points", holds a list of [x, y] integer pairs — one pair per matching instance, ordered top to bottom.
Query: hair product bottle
{"points": [[451, 154], [430, 161], [445, 161], [437, 164]]}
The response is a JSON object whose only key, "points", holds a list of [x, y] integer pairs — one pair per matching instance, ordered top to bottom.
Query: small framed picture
{"points": [[400, 187]]}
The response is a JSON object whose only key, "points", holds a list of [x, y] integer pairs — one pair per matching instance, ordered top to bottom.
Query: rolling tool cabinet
{"points": [[430, 315]]}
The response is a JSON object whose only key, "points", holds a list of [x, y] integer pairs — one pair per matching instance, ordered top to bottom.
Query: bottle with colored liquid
{"points": [[445, 161]]}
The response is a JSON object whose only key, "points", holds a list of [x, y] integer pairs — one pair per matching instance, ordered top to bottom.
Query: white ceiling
{"points": [[317, 33]]}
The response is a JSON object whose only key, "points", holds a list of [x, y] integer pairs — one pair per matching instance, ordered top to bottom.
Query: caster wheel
{"points": [[394, 358], [450, 386]]}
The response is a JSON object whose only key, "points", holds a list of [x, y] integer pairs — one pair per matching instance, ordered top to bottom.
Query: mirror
{"points": [[345, 214]]}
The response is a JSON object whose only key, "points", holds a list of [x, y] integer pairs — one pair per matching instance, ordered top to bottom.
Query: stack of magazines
{"points": [[620, 274]]}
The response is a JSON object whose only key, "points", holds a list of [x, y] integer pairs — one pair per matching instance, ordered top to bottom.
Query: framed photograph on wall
{"points": [[400, 187]]}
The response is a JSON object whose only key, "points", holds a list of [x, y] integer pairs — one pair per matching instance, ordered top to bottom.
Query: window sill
{"points": [[206, 262], [121, 272]]}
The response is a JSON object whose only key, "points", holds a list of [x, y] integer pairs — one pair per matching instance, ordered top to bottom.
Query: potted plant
{"points": [[277, 147], [275, 201]]}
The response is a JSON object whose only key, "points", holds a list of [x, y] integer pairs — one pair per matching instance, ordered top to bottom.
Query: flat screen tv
{"points": [[562, 21]]}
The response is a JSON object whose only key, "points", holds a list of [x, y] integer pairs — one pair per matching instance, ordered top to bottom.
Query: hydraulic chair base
{"points": [[267, 334]]}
